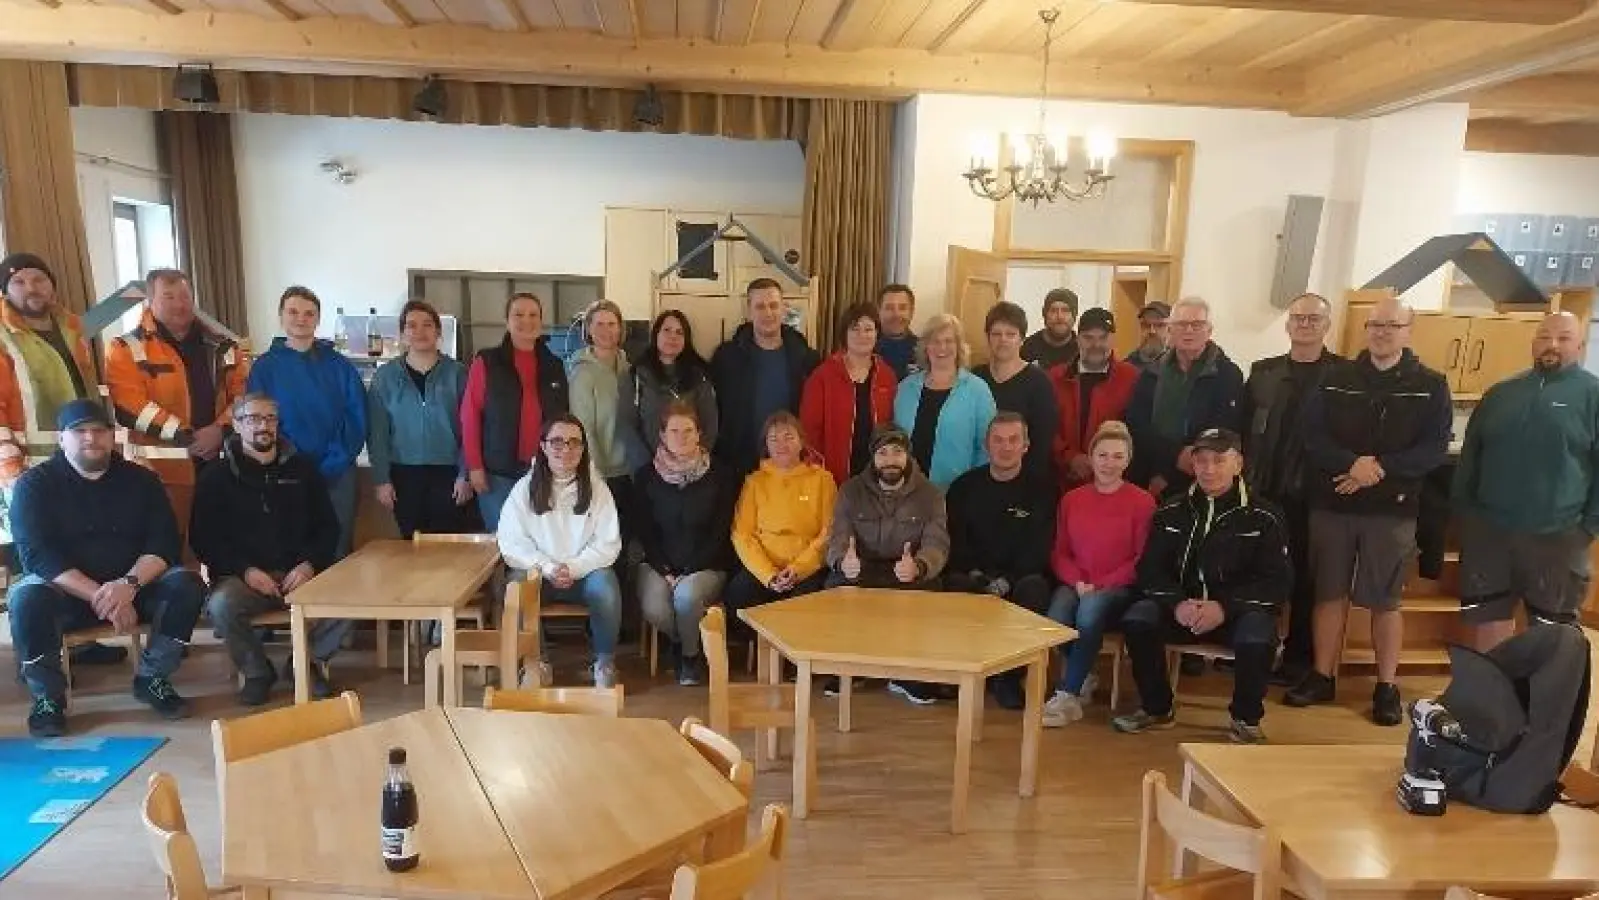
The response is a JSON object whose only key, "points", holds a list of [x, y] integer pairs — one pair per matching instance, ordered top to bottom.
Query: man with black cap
{"points": [[1152, 325], [1054, 344], [1089, 393], [889, 530], [119, 565], [1214, 571]]}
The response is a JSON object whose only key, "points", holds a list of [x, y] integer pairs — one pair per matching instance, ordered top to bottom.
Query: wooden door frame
{"points": [[1165, 264]]}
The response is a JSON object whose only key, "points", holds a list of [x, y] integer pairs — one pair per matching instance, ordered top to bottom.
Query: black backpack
{"points": [[1521, 708]]}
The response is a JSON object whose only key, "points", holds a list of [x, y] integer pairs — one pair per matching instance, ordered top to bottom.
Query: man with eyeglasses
{"points": [[1191, 389], [1373, 430], [1274, 457], [264, 525]]}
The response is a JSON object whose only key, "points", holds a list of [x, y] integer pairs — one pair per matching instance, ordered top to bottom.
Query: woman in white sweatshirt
{"points": [[560, 524]]}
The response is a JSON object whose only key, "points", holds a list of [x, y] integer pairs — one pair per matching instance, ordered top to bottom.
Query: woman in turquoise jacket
{"points": [[944, 408]]}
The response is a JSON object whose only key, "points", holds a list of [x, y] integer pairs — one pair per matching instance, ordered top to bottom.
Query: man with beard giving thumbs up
{"points": [[889, 530]]}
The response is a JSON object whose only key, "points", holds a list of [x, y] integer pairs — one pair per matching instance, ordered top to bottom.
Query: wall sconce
{"points": [[340, 172]]}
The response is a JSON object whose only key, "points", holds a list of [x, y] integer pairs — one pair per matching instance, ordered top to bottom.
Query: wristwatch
{"points": [[132, 580]]}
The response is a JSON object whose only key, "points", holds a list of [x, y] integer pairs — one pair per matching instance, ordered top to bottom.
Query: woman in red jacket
{"points": [[848, 395], [1100, 529]]}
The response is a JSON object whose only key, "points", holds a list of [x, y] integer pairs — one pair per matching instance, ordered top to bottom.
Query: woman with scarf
{"points": [[687, 503]]}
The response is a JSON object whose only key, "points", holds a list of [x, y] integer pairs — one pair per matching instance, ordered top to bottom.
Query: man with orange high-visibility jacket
{"points": [[45, 360], [173, 380]]}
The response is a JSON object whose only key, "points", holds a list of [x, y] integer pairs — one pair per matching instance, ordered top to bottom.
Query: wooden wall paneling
{"points": [[1532, 11], [578, 15], [615, 18], [696, 19], [934, 19], [657, 20], [812, 20], [774, 21], [868, 23], [736, 24], [990, 25], [1124, 31], [1266, 32], [1334, 39], [1187, 45], [1565, 95], [1511, 136]]}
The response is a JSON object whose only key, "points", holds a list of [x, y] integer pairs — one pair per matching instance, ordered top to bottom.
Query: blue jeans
{"points": [[341, 491], [490, 503], [600, 592], [1092, 615]]}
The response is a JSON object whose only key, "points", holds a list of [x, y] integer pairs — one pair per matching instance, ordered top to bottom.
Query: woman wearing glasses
{"points": [[559, 524]]}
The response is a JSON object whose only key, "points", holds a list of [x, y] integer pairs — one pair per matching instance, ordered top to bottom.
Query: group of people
{"points": [[1164, 494]]}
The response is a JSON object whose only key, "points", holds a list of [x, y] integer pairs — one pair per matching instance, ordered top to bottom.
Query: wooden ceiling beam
{"points": [[284, 10], [1529, 12], [400, 13], [81, 33], [1442, 61], [1562, 96], [1511, 136]]}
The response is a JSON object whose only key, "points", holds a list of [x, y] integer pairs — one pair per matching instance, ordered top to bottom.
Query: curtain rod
{"points": [[114, 163]]}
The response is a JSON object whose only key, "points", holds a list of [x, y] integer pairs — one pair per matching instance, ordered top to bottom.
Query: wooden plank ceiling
{"points": [[1529, 61]]}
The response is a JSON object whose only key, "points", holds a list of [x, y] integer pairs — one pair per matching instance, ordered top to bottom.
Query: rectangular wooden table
{"points": [[392, 580], [936, 636], [1345, 836]]}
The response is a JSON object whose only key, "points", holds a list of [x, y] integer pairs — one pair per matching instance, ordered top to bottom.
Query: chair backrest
{"points": [[439, 537], [713, 642], [575, 701], [233, 740], [721, 753], [1169, 822], [170, 842], [734, 877]]}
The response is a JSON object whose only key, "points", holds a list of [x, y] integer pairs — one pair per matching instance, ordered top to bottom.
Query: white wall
{"points": [[117, 160], [1528, 183], [466, 197]]}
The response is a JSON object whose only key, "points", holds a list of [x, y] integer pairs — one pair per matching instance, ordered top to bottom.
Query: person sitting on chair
{"points": [[263, 524], [889, 531], [100, 544], [1215, 571]]}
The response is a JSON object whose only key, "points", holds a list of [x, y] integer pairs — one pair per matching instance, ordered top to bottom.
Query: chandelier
{"points": [[1037, 170]]}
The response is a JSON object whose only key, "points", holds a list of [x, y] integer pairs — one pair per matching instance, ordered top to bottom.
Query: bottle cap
{"points": [[396, 756]]}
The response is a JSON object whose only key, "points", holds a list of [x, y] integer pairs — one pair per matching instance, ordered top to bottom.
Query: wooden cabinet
{"points": [[641, 242], [1439, 340], [1496, 349], [1473, 352]]}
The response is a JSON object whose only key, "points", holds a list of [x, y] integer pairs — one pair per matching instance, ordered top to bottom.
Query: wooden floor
{"points": [[878, 830]]}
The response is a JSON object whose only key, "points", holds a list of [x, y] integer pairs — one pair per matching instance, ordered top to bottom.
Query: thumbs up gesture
{"points": [[850, 565], [905, 567]]}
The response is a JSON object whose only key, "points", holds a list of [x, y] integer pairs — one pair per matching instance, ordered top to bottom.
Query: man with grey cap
{"points": [[1152, 325], [1056, 343], [889, 530], [120, 566]]}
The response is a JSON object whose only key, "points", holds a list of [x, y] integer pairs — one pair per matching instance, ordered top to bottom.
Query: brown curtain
{"points": [[469, 102], [197, 153], [848, 169], [39, 177]]}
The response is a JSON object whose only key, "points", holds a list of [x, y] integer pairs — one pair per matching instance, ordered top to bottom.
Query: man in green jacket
{"points": [[1527, 489]]}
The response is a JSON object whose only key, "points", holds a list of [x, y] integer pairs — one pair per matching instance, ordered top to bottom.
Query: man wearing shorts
{"points": [[1373, 430], [1526, 490]]}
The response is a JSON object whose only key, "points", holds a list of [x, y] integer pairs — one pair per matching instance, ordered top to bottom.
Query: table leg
{"points": [[380, 632], [300, 642], [773, 663], [452, 674], [846, 689], [982, 707], [966, 721], [1033, 722], [803, 737], [255, 892]]}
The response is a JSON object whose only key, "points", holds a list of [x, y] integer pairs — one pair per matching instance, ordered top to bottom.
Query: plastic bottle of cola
{"points": [[399, 816]]}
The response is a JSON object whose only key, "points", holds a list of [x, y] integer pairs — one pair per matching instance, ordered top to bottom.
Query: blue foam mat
{"points": [[49, 783]]}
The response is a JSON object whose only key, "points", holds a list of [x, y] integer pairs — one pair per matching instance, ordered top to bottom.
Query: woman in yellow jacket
{"points": [[780, 524]]}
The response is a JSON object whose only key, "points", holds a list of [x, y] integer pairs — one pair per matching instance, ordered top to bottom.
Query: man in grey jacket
{"points": [[890, 531]]}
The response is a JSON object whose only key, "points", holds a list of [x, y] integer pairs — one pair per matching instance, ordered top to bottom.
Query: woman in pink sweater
{"points": [[1099, 534]]}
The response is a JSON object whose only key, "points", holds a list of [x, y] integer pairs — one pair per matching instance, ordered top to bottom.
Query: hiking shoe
{"points": [[98, 654], [690, 671], [605, 674], [1315, 688], [256, 691], [913, 692], [158, 694], [1386, 706], [1062, 709], [47, 718], [1141, 721], [1241, 732]]}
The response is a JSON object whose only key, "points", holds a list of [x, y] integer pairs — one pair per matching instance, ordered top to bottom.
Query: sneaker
{"points": [[98, 654], [690, 671], [605, 674], [538, 675], [321, 685], [830, 686], [1090, 687], [1315, 688], [255, 691], [1008, 693], [158, 694], [919, 694], [1386, 706], [1062, 710], [47, 718], [1143, 721], [1241, 732]]}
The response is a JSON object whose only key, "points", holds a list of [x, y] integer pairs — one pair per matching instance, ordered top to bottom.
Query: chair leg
{"points": [[382, 634], [652, 641], [135, 649], [1174, 665], [431, 669], [66, 672], [1116, 677], [810, 767]]}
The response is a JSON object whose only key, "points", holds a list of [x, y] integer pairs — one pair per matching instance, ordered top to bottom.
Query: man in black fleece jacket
{"points": [[264, 525], [1001, 526], [1215, 570]]}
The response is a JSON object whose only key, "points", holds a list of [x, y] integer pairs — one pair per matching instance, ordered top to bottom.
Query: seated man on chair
{"points": [[263, 525], [889, 531], [99, 543], [1214, 571]]}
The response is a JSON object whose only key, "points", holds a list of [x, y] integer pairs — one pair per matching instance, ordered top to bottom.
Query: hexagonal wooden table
{"points": [[947, 638], [513, 806]]}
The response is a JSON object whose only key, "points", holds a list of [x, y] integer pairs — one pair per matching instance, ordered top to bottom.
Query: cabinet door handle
{"points": [[1454, 353], [1477, 366]]}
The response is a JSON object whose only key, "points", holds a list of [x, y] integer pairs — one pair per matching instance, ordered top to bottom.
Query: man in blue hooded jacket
{"points": [[321, 402]]}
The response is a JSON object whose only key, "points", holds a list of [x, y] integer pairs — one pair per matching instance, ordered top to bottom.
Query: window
{"points": [[141, 239], [125, 242]]}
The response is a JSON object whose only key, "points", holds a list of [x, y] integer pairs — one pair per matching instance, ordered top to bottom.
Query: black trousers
{"points": [[424, 501], [745, 591], [1030, 592], [1252, 636], [1299, 646]]}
